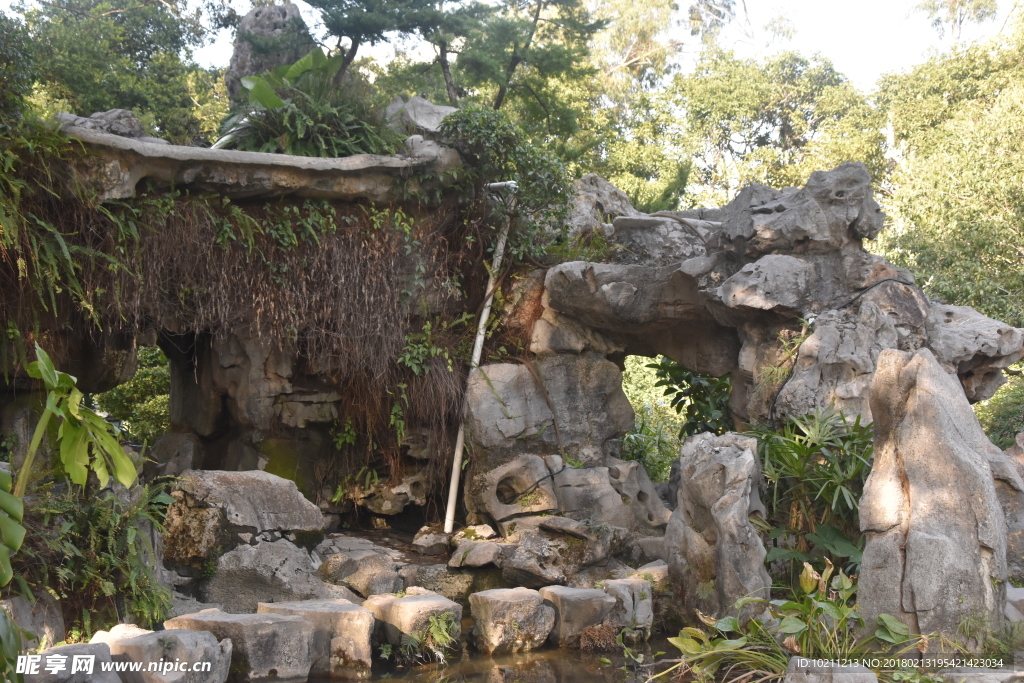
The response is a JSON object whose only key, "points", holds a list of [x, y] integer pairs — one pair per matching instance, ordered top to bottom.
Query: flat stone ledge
{"points": [[119, 164]]}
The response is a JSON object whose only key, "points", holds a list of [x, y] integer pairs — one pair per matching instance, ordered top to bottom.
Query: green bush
{"points": [[16, 70], [299, 110], [702, 400], [142, 403], [1002, 416], [653, 442], [815, 467], [91, 551]]}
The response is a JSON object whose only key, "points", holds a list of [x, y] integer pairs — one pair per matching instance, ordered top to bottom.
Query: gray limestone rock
{"points": [[268, 36], [418, 115], [596, 203], [658, 240], [776, 282], [973, 347], [253, 500], [929, 509], [430, 541], [714, 551], [275, 571], [364, 571], [634, 607], [576, 609], [400, 617], [42, 618], [510, 620], [132, 644], [341, 646], [265, 647], [81, 663]]}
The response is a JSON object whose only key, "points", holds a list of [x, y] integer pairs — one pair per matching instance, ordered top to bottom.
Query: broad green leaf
{"points": [[262, 93], [74, 452], [13, 506], [12, 534], [6, 573], [728, 624], [792, 625], [688, 646]]}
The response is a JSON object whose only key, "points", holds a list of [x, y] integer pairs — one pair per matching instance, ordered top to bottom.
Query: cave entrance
{"points": [[670, 404]]}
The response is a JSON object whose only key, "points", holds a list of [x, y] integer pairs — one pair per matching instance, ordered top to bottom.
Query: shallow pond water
{"points": [[542, 666]]}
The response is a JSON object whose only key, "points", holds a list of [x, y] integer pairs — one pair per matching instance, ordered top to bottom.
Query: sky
{"points": [[864, 38]]}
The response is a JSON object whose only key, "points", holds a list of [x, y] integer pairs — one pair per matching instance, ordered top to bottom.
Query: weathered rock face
{"points": [[267, 37], [417, 116], [596, 203], [509, 415], [929, 509], [218, 510], [713, 550], [266, 572], [366, 572], [634, 608], [576, 609], [399, 617], [42, 619], [510, 620], [132, 644], [341, 645], [265, 647], [64, 672]]}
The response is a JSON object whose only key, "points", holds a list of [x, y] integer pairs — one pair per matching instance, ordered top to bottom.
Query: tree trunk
{"points": [[350, 55], [446, 69]]}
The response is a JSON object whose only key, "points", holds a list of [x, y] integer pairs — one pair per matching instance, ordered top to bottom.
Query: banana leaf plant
{"points": [[86, 442]]}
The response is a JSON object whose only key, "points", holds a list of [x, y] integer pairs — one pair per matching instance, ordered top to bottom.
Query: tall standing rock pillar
{"points": [[936, 538]]}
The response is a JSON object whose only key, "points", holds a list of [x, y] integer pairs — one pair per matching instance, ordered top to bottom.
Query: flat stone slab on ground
{"points": [[576, 609], [510, 620], [342, 631], [265, 647]]}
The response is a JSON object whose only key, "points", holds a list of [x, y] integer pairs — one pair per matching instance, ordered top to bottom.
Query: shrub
{"points": [[17, 71], [298, 110], [702, 400], [142, 403], [1002, 416], [815, 467], [92, 551]]}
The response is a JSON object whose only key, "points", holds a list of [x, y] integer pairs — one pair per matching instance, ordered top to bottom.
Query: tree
{"points": [[953, 14], [368, 22], [104, 54], [16, 70], [773, 122], [956, 207]]}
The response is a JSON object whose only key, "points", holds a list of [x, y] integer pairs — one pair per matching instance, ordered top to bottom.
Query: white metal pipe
{"points": [[478, 348]]}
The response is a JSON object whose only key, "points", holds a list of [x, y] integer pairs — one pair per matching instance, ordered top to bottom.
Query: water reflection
{"points": [[545, 666]]}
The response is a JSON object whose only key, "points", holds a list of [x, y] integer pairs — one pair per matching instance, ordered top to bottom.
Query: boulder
{"points": [[267, 37], [418, 115], [119, 122], [596, 203], [657, 240], [776, 282], [973, 347], [509, 415], [172, 454], [631, 481], [519, 487], [588, 494], [254, 500], [212, 508], [929, 510], [476, 532], [430, 541], [714, 551], [479, 554], [535, 562], [364, 571], [265, 572], [454, 584], [634, 607], [576, 609], [401, 616], [42, 618], [510, 620], [129, 643], [341, 645], [265, 647], [81, 663], [803, 670], [1008, 674]]}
